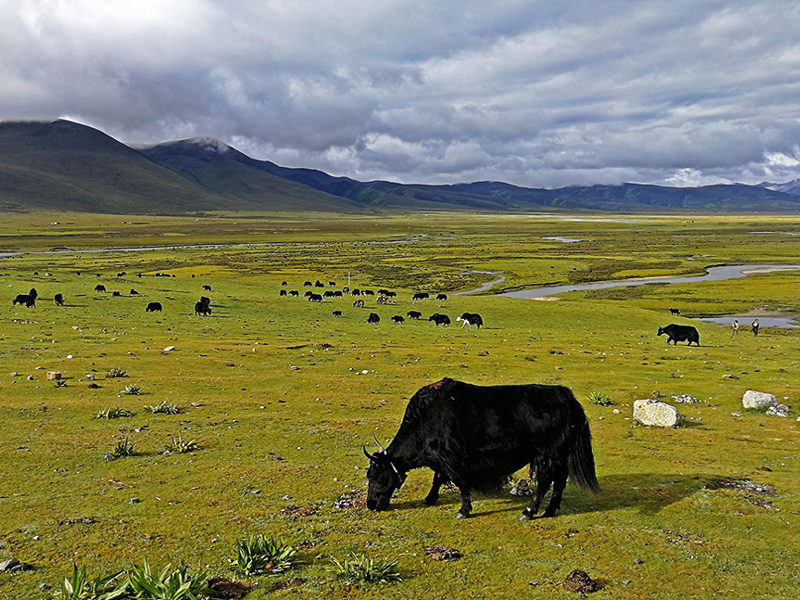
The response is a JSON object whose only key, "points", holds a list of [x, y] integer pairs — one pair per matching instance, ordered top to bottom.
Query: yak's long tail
{"points": [[580, 461]]}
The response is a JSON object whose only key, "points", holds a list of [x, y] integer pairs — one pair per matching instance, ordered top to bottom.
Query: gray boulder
{"points": [[759, 400], [655, 413]]}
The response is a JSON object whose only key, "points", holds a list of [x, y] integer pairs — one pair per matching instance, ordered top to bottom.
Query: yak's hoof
{"points": [[547, 514], [461, 515], [525, 517]]}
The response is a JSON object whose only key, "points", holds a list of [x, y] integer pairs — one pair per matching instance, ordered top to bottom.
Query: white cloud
{"points": [[546, 93]]}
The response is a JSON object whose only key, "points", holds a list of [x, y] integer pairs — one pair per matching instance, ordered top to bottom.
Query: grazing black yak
{"points": [[99, 288], [25, 299], [59, 299], [153, 307], [202, 309], [414, 314], [373, 318], [397, 319], [439, 319], [680, 333], [477, 436]]}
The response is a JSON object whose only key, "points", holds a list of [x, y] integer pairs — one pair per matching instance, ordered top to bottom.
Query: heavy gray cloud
{"points": [[549, 93]]}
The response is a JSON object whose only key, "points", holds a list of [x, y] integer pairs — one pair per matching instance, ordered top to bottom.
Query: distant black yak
{"points": [[153, 307], [680, 333]]}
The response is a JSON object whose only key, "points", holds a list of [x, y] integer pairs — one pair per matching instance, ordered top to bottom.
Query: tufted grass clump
{"points": [[115, 372], [61, 383], [131, 390], [600, 399], [166, 408], [113, 413], [178, 446], [123, 448], [259, 554], [359, 568], [171, 583], [78, 586]]}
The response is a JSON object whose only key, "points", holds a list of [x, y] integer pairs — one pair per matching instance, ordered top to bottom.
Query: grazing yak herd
{"points": [[384, 297]]}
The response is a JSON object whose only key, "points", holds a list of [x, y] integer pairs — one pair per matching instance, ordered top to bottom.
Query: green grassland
{"points": [[281, 396]]}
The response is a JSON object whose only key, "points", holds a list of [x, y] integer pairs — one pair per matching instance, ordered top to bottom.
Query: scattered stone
{"points": [[169, 349], [14, 374], [53, 375], [729, 376], [90, 377], [30, 378], [93, 386], [685, 399], [754, 399], [781, 410], [655, 413], [736, 414], [60, 470], [742, 485], [521, 489], [348, 500], [135, 501], [299, 511], [78, 521], [442, 553], [638, 561], [12, 565], [579, 581], [45, 586], [227, 589]]}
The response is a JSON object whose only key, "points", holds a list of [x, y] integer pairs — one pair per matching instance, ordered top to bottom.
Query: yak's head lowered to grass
{"points": [[384, 479]]}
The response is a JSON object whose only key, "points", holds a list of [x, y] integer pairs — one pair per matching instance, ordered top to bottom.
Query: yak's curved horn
{"points": [[378, 444], [367, 454]]}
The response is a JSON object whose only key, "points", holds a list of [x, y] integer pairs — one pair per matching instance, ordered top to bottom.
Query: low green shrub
{"points": [[115, 372], [131, 390], [600, 399], [166, 408], [113, 413], [180, 447], [123, 448], [259, 554], [359, 568], [78, 586]]}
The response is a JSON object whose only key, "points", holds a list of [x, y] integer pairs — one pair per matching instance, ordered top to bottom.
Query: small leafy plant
{"points": [[115, 372], [61, 383], [131, 390], [600, 399], [166, 408], [113, 413], [180, 447], [123, 448], [259, 554], [358, 568], [168, 584], [78, 586]]}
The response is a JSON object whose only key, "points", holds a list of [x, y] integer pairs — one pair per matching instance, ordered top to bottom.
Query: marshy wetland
{"points": [[280, 396]]}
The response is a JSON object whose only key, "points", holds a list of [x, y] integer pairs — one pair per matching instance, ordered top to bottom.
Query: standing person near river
{"points": [[734, 327], [755, 327]]}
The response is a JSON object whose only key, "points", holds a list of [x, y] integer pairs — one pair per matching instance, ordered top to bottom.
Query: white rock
{"points": [[169, 349], [754, 399], [778, 411], [655, 413]]}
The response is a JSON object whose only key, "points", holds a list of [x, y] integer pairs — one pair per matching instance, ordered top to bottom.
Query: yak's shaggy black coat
{"points": [[477, 436]]}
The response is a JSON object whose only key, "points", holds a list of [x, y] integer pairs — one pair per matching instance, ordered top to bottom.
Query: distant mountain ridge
{"points": [[61, 165]]}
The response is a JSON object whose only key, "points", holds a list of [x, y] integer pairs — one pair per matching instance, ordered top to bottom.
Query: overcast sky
{"points": [[546, 93]]}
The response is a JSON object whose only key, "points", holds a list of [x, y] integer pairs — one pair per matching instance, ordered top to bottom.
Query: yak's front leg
{"points": [[433, 495], [466, 502]]}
